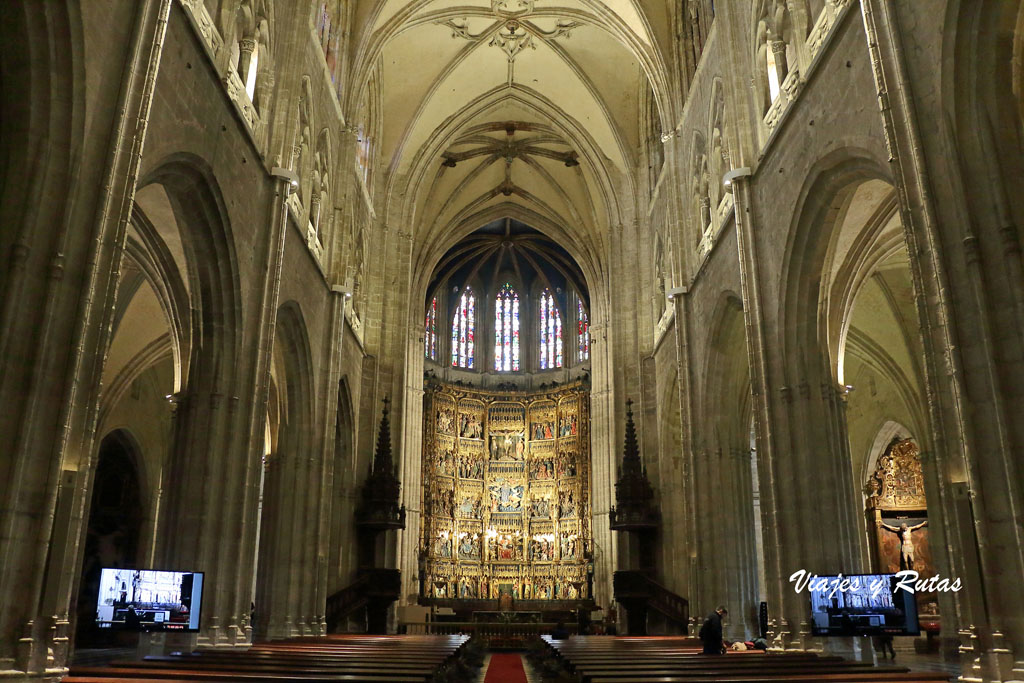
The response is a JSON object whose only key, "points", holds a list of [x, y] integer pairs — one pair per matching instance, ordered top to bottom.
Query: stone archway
{"points": [[113, 529]]}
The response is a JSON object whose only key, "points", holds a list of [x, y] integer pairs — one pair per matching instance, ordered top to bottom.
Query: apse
{"points": [[507, 306], [506, 447]]}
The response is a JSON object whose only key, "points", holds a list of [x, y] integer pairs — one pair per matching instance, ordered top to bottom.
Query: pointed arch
{"points": [[211, 263], [464, 329], [506, 329], [430, 330], [582, 330], [549, 331], [117, 503], [288, 531]]}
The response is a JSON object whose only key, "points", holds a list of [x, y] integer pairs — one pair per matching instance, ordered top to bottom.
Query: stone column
{"points": [[246, 48], [778, 48], [957, 210], [314, 213], [705, 214], [65, 238], [329, 400], [411, 439], [818, 460], [602, 472], [775, 484], [209, 520], [687, 535], [746, 559]]}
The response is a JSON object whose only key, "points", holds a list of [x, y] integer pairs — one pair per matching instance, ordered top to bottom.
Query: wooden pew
{"points": [[227, 659], [371, 659], [671, 660], [306, 667], [92, 673], [907, 677]]}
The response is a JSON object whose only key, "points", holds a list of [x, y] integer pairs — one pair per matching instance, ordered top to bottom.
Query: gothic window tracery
{"points": [[328, 32], [780, 34], [251, 56], [366, 130], [303, 144], [719, 158], [700, 184], [319, 196], [464, 330], [506, 330], [430, 331], [550, 332], [582, 332]]}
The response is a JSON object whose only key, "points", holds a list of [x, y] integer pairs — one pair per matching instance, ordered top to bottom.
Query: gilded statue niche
{"points": [[506, 494], [897, 512]]}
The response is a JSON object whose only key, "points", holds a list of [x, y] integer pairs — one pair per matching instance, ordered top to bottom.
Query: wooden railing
{"points": [[370, 587], [636, 590]]}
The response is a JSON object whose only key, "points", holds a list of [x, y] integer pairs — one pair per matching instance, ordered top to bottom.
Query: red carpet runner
{"points": [[505, 668]]}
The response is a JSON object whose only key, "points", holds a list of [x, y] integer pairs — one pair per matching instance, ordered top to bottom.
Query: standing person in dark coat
{"points": [[711, 632]]}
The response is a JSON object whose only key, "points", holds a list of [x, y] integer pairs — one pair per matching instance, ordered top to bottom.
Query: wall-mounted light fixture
{"points": [[742, 172], [286, 174], [673, 292]]}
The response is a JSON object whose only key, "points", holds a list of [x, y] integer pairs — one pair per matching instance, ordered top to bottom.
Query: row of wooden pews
{"points": [[371, 659], [611, 659]]}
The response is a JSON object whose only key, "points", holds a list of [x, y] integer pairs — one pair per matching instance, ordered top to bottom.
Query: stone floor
{"points": [[924, 662]]}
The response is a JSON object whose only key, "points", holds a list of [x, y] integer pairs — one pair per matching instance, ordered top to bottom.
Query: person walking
{"points": [[885, 642]]}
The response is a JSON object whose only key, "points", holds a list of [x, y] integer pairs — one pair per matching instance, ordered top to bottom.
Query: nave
{"points": [[341, 319]]}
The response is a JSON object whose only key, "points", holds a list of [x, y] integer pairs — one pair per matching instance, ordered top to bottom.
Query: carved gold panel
{"points": [[506, 499]]}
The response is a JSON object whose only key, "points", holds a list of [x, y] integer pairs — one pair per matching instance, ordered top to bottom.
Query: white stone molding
{"points": [[202, 23]]}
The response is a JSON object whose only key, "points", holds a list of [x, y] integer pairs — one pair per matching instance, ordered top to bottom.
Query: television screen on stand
{"points": [[149, 600], [870, 605]]}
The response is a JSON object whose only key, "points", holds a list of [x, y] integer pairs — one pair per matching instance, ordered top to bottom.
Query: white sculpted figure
{"points": [[907, 541]]}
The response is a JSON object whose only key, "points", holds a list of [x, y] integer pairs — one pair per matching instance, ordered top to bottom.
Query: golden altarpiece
{"points": [[506, 494], [897, 513]]}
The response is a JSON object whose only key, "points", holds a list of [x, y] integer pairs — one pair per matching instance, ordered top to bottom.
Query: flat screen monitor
{"points": [[149, 600], [871, 605]]}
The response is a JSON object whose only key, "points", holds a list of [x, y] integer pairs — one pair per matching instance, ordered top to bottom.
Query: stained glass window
{"points": [[329, 33], [363, 151], [463, 330], [506, 330], [430, 331], [550, 332], [582, 332]]}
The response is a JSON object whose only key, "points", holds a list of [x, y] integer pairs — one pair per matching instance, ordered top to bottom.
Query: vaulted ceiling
{"points": [[528, 108], [507, 250]]}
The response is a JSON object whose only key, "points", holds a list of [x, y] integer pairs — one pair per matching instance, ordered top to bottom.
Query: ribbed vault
{"points": [[528, 102], [508, 247]]}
